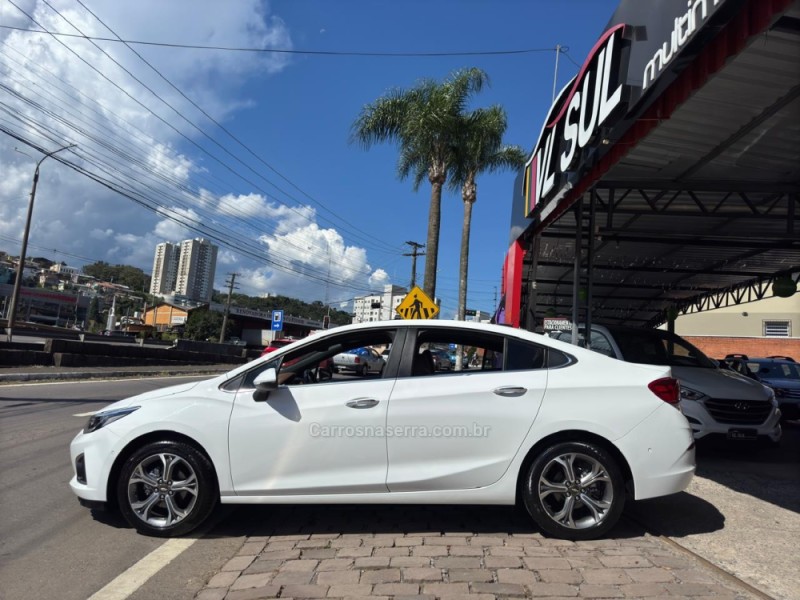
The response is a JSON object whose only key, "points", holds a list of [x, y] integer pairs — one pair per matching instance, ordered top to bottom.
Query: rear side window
{"points": [[522, 356], [556, 359]]}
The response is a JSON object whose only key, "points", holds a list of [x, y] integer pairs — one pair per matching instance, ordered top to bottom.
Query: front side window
{"points": [[316, 362]]}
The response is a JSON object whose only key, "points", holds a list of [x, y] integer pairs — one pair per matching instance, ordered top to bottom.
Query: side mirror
{"points": [[267, 380]]}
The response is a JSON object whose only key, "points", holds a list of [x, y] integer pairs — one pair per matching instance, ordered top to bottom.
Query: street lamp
{"points": [[24, 250]]}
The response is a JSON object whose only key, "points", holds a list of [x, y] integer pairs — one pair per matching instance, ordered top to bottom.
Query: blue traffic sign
{"points": [[277, 320]]}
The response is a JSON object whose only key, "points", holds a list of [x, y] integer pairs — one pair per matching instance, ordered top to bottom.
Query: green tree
{"points": [[425, 122], [479, 149], [133, 277], [93, 312], [204, 324]]}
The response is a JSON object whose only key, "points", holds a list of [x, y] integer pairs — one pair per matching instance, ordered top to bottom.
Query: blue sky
{"points": [[293, 111]]}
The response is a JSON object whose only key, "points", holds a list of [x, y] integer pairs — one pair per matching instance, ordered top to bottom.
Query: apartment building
{"points": [[165, 268], [196, 268], [185, 269], [378, 307]]}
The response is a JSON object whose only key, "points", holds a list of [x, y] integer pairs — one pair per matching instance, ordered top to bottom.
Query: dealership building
{"points": [[665, 179]]}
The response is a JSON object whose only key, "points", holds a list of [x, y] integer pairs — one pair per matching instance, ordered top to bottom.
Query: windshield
{"points": [[656, 347], [775, 370]]}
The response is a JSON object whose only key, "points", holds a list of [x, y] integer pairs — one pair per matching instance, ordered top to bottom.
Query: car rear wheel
{"points": [[166, 488], [574, 490]]}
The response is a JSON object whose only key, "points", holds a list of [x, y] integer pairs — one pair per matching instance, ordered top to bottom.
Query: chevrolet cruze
{"points": [[565, 432]]}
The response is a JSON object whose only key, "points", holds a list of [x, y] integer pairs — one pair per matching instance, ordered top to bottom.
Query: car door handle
{"points": [[510, 392], [363, 403]]}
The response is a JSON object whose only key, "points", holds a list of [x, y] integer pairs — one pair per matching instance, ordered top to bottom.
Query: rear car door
{"points": [[461, 429]]}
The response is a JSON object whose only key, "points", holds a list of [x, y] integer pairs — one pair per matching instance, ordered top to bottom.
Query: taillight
{"points": [[356, 360], [667, 389]]}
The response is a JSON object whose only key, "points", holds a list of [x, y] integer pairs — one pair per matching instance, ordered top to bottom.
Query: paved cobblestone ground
{"points": [[481, 553]]}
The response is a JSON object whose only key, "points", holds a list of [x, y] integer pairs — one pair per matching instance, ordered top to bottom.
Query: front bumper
{"points": [[703, 422], [98, 455]]}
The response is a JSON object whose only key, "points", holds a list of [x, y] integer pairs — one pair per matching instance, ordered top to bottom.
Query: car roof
{"points": [[783, 361]]}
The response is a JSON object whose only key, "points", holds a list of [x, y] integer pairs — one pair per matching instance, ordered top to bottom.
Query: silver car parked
{"points": [[714, 400]]}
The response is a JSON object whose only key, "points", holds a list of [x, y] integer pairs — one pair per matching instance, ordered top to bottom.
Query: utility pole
{"points": [[555, 75], [415, 247], [21, 266], [231, 286]]}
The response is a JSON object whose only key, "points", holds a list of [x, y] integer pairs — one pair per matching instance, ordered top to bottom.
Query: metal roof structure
{"points": [[698, 203]]}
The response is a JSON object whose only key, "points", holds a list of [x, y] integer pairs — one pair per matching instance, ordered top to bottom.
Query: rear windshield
{"points": [[656, 347], [776, 370]]}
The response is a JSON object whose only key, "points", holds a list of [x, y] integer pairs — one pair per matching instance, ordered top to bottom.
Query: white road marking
{"points": [[87, 414], [125, 584]]}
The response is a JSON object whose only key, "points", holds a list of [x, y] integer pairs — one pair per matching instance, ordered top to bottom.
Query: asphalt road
{"points": [[741, 513], [50, 546]]}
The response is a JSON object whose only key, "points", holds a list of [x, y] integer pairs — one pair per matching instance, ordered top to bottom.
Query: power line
{"points": [[363, 53], [161, 119], [219, 125], [160, 209]]}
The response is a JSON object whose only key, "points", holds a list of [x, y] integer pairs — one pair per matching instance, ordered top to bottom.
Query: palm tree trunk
{"points": [[468, 195], [432, 245]]}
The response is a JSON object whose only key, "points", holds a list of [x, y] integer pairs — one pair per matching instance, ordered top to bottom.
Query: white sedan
{"points": [[564, 431]]}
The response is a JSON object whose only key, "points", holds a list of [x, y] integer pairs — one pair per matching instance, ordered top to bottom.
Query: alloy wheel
{"points": [[162, 489], [575, 490]]}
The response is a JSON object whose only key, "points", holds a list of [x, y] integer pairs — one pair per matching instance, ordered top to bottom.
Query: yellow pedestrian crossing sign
{"points": [[417, 305]]}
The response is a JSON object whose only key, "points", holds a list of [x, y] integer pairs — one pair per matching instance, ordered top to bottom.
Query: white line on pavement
{"points": [[87, 414], [125, 584]]}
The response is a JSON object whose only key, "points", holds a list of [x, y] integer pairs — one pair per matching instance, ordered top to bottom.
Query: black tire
{"points": [[362, 372], [160, 504], [561, 508]]}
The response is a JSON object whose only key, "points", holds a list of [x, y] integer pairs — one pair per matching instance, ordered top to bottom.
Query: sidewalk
{"points": [[35, 373], [480, 553]]}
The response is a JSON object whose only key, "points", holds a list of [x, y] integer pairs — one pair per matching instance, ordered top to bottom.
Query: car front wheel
{"points": [[166, 488], [574, 490]]}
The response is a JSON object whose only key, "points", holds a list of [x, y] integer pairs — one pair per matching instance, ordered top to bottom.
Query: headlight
{"points": [[781, 392], [690, 394], [772, 397], [102, 419]]}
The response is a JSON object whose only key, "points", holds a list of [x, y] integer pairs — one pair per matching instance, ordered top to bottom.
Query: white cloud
{"points": [[151, 160], [166, 162], [244, 206], [331, 269], [379, 279]]}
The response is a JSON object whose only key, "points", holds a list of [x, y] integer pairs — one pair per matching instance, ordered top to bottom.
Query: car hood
{"points": [[721, 384], [792, 384], [147, 396]]}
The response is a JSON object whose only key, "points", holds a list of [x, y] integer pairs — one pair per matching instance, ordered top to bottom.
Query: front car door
{"points": [[461, 429], [313, 435]]}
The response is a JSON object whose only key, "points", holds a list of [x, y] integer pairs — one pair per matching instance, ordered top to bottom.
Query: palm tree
{"points": [[425, 121], [479, 149]]}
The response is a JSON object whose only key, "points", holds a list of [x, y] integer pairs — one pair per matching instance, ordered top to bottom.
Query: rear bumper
{"points": [[660, 453]]}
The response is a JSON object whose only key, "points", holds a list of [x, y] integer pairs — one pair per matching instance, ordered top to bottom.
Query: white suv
{"points": [[714, 400]]}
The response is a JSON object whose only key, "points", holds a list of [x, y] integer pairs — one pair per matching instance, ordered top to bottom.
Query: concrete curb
{"points": [[78, 375]]}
